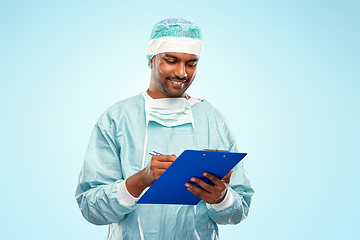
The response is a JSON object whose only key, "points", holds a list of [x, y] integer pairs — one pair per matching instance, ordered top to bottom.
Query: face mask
{"points": [[169, 112]]}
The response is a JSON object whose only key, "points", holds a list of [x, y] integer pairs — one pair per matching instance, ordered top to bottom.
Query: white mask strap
{"points": [[193, 125], [145, 145], [140, 227]]}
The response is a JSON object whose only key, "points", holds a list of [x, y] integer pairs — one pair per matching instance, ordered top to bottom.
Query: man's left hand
{"points": [[210, 194]]}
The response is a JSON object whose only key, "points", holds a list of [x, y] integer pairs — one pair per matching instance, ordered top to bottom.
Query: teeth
{"points": [[178, 83]]}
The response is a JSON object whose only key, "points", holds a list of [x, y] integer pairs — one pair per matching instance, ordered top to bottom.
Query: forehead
{"points": [[179, 56]]}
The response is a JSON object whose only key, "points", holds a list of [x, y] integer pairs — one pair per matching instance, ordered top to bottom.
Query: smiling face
{"points": [[171, 74]]}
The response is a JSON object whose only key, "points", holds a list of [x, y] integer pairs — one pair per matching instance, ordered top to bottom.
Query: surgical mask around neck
{"points": [[169, 112]]}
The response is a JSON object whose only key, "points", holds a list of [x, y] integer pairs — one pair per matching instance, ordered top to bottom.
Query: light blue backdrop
{"points": [[285, 73]]}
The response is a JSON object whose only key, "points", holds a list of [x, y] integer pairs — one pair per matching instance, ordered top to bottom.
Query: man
{"points": [[117, 168]]}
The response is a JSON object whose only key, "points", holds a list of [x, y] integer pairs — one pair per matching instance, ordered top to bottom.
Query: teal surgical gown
{"points": [[115, 153]]}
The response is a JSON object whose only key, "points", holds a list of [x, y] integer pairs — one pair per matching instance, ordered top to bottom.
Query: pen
{"points": [[153, 153]]}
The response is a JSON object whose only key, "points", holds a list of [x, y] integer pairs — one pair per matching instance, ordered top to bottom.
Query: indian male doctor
{"points": [[117, 167]]}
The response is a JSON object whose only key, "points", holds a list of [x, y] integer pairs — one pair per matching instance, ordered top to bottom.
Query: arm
{"points": [[146, 177], [239, 186], [96, 193], [241, 194]]}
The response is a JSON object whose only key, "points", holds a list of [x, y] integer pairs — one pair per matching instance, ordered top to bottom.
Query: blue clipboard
{"points": [[169, 188]]}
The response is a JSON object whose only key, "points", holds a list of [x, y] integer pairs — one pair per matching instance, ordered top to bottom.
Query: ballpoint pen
{"points": [[153, 153]]}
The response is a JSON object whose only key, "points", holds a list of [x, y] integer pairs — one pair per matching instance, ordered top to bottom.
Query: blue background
{"points": [[285, 74]]}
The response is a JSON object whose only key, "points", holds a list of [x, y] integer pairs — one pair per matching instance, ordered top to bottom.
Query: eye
{"points": [[170, 60], [192, 64]]}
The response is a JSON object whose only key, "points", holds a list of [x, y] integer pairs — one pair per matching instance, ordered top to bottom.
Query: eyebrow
{"points": [[172, 56]]}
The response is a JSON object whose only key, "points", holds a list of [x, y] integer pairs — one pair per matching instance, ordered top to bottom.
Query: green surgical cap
{"points": [[174, 35]]}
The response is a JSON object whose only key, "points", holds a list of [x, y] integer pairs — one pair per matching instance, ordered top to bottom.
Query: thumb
{"points": [[226, 179]]}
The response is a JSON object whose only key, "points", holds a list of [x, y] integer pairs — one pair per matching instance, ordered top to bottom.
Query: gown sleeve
{"points": [[239, 186], [96, 192]]}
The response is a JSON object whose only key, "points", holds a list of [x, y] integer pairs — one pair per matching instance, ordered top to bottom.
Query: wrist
{"points": [[143, 178], [137, 183], [125, 196], [219, 200], [225, 203]]}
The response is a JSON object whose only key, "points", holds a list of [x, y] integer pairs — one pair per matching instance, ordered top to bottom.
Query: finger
{"points": [[173, 157], [164, 158], [160, 165], [158, 173], [228, 175], [213, 178], [226, 179], [203, 184], [201, 193], [204, 195]]}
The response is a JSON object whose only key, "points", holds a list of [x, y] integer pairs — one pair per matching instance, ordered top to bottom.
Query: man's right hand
{"points": [[157, 165], [146, 177]]}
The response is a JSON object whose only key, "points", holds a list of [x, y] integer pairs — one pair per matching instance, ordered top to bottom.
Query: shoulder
{"points": [[126, 105], [209, 110], [117, 113], [212, 114]]}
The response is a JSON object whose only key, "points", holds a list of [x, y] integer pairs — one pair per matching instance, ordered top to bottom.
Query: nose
{"points": [[180, 71]]}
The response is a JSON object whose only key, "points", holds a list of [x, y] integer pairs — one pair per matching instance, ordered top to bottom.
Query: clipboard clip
{"points": [[215, 150]]}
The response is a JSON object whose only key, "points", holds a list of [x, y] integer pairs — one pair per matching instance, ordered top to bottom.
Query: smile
{"points": [[177, 82]]}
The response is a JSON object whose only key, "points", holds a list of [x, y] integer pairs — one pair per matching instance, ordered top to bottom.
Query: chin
{"points": [[174, 95]]}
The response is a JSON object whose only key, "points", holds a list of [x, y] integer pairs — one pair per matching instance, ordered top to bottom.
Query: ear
{"points": [[152, 62]]}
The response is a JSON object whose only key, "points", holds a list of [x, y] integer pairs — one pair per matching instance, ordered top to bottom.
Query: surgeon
{"points": [[117, 167]]}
